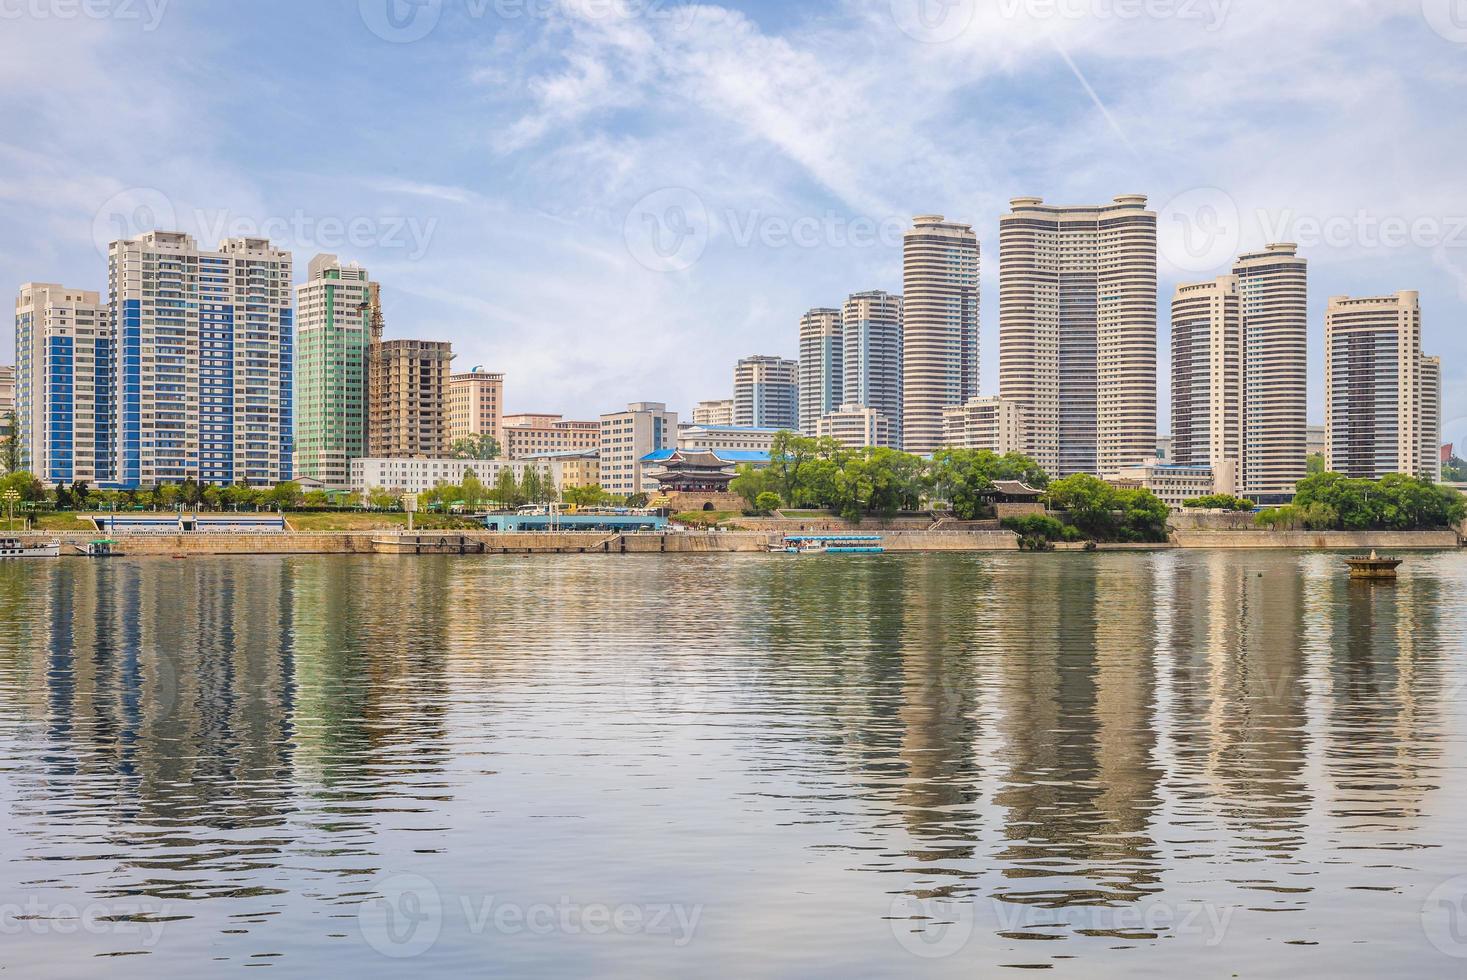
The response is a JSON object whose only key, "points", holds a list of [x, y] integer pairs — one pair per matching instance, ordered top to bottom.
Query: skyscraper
{"points": [[1273, 287], [334, 309], [871, 325], [940, 326], [1077, 331], [203, 360], [822, 375], [63, 378], [1207, 379], [767, 393], [1382, 397], [407, 398], [1431, 419]]}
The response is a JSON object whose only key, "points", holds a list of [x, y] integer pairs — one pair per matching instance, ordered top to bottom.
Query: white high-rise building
{"points": [[1273, 289], [940, 326], [871, 327], [1077, 331], [203, 360], [822, 376], [1207, 379], [63, 384], [767, 393], [1382, 396], [644, 428]]}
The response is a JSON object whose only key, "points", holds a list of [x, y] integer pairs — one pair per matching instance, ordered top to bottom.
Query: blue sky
{"points": [[612, 200]]}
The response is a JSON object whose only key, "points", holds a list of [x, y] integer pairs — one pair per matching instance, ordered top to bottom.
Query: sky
{"points": [[614, 200]]}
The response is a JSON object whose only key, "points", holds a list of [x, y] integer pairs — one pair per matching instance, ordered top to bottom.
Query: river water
{"points": [[1228, 764]]}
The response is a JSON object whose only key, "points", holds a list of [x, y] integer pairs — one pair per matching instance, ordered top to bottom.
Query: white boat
{"points": [[16, 548]]}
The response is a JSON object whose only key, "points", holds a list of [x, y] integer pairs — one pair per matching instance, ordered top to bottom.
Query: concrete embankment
{"points": [[1361, 541], [581, 542]]}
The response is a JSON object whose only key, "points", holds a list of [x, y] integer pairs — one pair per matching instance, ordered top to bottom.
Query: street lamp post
{"points": [[10, 497]]}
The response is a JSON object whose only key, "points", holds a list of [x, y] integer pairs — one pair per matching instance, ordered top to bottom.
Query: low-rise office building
{"points": [[736, 438], [418, 474], [1175, 485]]}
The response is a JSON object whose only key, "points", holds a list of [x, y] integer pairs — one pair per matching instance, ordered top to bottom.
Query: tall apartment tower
{"points": [[1273, 286], [871, 325], [334, 326], [940, 326], [1077, 331], [203, 360], [822, 374], [63, 378], [1207, 379], [767, 393], [1382, 397], [407, 398], [475, 405], [1431, 419], [644, 428]]}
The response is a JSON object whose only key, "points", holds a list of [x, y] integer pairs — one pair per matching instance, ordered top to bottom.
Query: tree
{"points": [[12, 443], [481, 446], [1317, 464], [963, 477], [752, 483], [26, 484], [530, 486], [472, 489], [507, 489], [190, 492], [168, 496], [285, 496], [587, 496], [214, 498], [379, 498], [318, 499], [1219, 501], [767, 502], [1089, 502]]}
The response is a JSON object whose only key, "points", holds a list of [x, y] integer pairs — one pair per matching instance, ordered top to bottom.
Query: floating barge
{"points": [[1373, 568]]}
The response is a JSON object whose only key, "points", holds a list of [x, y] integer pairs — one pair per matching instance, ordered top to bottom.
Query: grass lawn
{"points": [[815, 514], [64, 521], [379, 521]]}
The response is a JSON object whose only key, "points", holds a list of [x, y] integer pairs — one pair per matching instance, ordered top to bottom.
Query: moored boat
{"points": [[16, 548], [99, 549]]}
